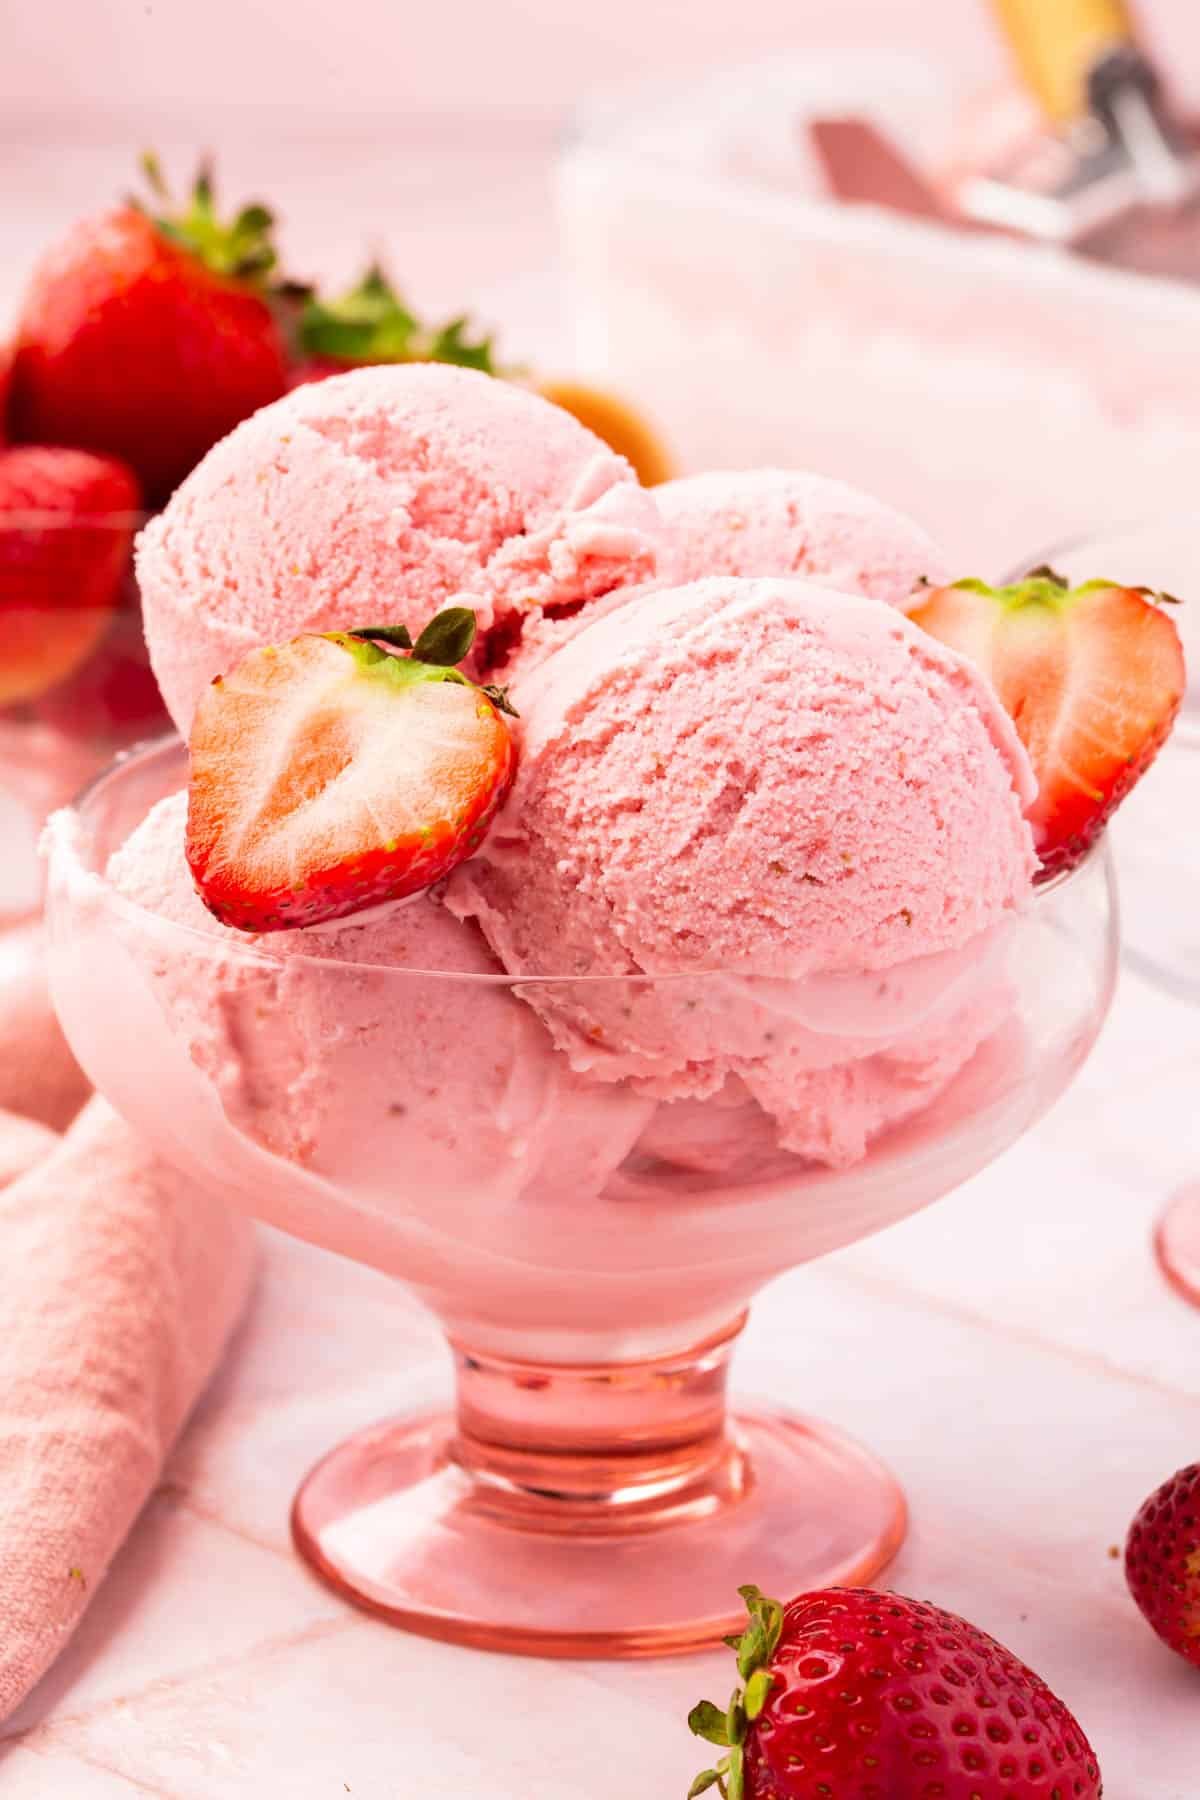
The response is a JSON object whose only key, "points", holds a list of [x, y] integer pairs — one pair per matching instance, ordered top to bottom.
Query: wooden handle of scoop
{"points": [[1057, 43]]}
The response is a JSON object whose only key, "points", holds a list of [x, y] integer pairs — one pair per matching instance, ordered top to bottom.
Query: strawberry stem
{"points": [[242, 251], [1043, 586], [755, 1648]]}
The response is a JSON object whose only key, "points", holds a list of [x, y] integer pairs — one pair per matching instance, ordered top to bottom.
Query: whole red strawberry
{"points": [[150, 337], [67, 520], [1091, 676], [329, 774], [1162, 1562], [854, 1695]]}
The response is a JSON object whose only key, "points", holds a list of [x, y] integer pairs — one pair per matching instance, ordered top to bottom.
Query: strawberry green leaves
{"points": [[244, 249], [367, 324], [371, 324], [398, 636], [447, 638], [445, 642], [755, 1648]]}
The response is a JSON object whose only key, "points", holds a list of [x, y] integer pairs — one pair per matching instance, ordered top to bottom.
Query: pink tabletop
{"points": [[1012, 1352]]}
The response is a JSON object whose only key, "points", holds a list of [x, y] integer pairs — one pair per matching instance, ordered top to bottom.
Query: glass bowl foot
{"points": [[1177, 1244], [396, 1523]]}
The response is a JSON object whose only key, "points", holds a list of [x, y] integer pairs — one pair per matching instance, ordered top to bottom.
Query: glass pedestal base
{"points": [[395, 1522]]}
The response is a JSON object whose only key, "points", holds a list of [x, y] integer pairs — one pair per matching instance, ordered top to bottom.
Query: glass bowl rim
{"points": [[57, 844]]}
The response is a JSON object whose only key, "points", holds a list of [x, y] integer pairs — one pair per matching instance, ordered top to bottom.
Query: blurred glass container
{"points": [[1002, 392], [75, 682]]}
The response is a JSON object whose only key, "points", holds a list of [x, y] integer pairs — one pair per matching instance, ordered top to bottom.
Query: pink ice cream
{"points": [[382, 496], [761, 522], [784, 522], [799, 806], [352, 1072]]}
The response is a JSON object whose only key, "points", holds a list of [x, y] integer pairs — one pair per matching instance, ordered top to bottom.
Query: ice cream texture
{"points": [[379, 497], [759, 522], [762, 522], [792, 802], [749, 896], [348, 1047]]}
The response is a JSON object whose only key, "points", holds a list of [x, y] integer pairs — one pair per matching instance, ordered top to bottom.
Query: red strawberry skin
{"points": [[127, 344], [67, 520], [1162, 1562], [875, 1697]]}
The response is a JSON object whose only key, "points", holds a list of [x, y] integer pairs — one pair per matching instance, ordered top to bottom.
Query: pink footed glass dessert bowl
{"points": [[589, 1251]]}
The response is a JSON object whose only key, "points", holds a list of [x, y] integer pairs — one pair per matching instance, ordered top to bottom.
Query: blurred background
{"points": [[428, 129]]}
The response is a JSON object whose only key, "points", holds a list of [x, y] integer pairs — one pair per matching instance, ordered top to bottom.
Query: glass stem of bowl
{"points": [[608, 1446]]}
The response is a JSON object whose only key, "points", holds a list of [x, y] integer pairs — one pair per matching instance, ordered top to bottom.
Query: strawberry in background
{"points": [[371, 323], [149, 335], [67, 520]]}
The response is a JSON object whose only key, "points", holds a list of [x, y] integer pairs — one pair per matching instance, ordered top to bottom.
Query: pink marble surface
{"points": [[1012, 1352]]}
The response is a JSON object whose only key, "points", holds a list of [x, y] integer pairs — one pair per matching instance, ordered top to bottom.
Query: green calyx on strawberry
{"points": [[243, 249], [371, 324], [445, 642], [1092, 677], [331, 774], [755, 1648]]}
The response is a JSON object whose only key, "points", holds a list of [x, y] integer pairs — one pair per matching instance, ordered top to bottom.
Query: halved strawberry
{"points": [[1092, 677], [330, 774]]}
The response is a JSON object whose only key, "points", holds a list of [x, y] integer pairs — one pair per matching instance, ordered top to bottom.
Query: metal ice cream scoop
{"points": [[1117, 175]]}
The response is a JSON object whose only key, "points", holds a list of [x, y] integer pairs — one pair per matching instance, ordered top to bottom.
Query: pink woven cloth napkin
{"points": [[130, 1283]]}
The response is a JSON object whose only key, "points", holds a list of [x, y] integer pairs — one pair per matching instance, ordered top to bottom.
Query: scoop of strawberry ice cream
{"points": [[379, 497], [762, 522], [787, 522], [790, 801], [370, 1044]]}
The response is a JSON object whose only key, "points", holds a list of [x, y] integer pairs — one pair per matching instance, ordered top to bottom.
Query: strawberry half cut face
{"points": [[1091, 676], [330, 774]]}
